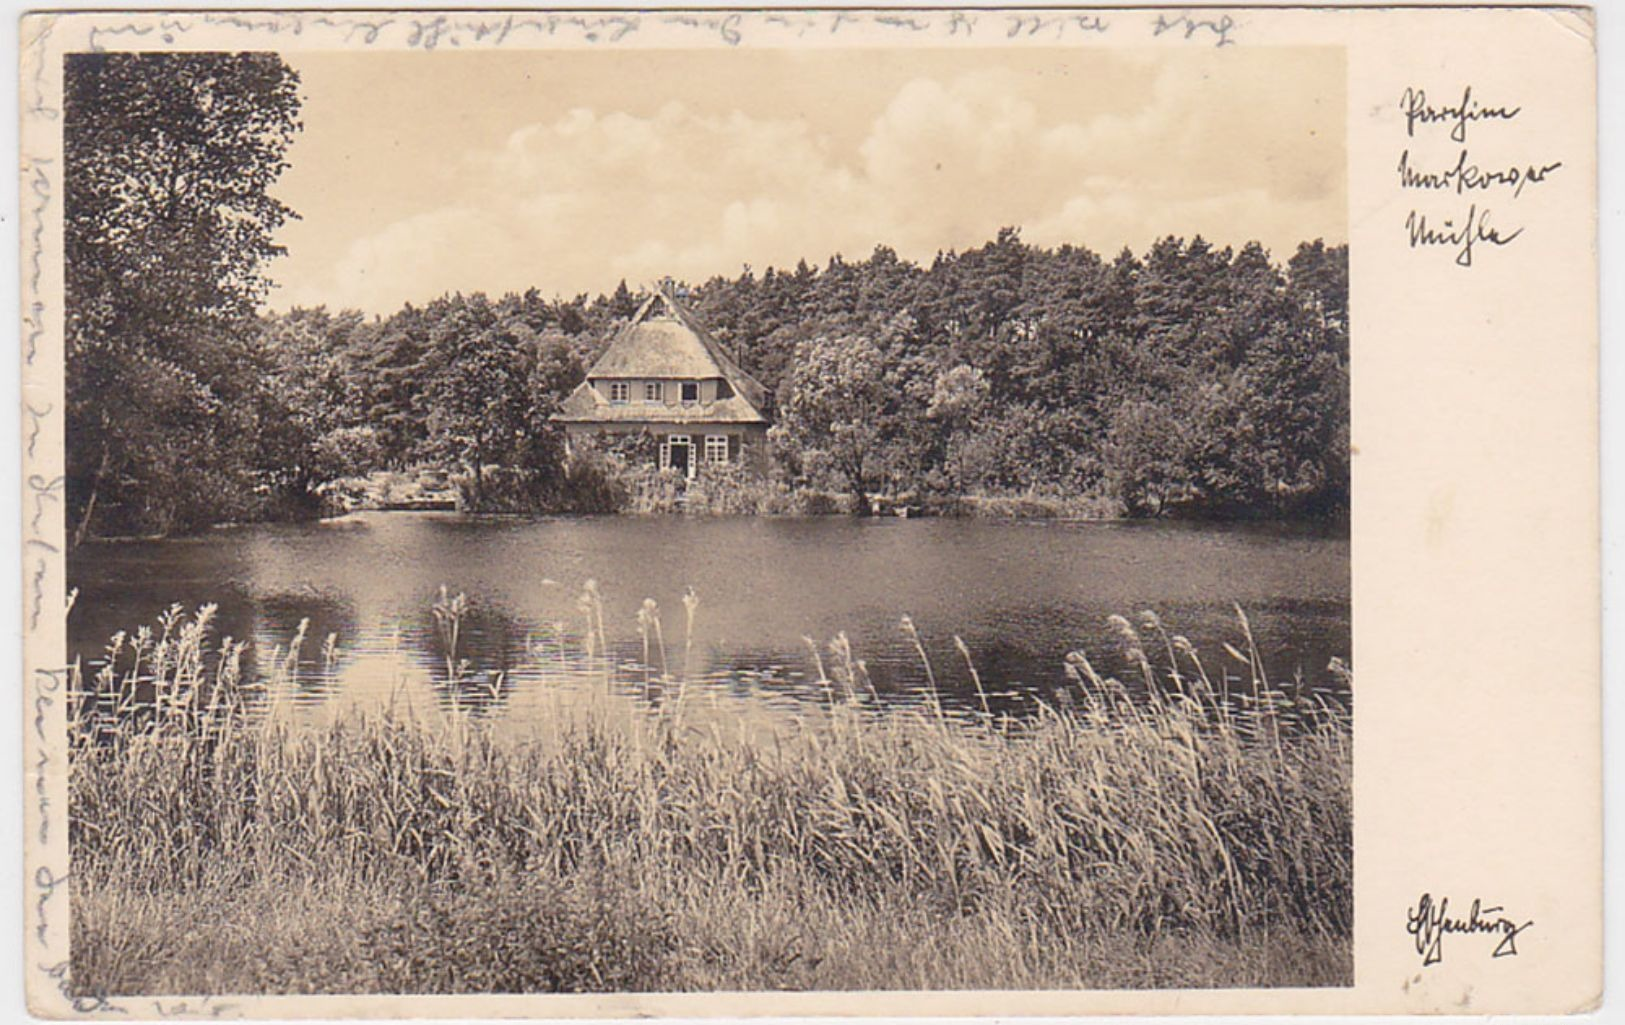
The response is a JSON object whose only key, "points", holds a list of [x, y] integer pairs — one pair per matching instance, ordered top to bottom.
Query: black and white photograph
{"points": [[707, 520]]}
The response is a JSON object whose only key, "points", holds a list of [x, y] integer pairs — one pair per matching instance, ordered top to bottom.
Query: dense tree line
{"points": [[1190, 378]]}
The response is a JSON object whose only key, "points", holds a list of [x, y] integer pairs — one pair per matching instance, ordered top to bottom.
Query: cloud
{"points": [[578, 202]]}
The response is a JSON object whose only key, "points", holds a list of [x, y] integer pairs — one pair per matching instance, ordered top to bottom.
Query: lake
{"points": [[1021, 594]]}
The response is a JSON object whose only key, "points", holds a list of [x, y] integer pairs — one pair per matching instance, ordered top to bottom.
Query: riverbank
{"points": [[615, 487], [652, 492], [1174, 840]]}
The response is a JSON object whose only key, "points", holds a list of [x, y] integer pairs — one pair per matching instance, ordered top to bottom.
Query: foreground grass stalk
{"points": [[976, 677], [220, 845]]}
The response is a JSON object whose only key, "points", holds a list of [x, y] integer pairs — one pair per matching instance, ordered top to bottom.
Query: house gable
{"points": [[664, 344]]}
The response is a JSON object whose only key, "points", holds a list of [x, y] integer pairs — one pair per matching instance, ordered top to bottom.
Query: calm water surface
{"points": [[1020, 594]]}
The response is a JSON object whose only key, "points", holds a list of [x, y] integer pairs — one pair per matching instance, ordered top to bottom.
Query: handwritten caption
{"points": [[1438, 160]]}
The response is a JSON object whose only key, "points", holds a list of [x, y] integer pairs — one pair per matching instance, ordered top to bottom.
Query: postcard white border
{"points": [[1545, 58]]}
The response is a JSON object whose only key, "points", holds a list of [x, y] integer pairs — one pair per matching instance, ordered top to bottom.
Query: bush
{"points": [[592, 480], [592, 484], [506, 489], [649, 489], [734, 489], [345, 495], [807, 502]]}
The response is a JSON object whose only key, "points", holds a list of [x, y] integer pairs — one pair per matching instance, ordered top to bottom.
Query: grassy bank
{"points": [[611, 482], [736, 490], [1174, 840]]}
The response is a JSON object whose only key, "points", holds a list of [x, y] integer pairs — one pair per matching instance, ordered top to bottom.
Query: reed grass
{"points": [[1178, 838]]}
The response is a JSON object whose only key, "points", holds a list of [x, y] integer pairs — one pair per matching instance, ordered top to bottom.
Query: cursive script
{"points": [[1218, 28], [1418, 111], [1440, 162], [1462, 176], [1473, 229], [46, 883], [1429, 923], [62, 974], [188, 1009]]}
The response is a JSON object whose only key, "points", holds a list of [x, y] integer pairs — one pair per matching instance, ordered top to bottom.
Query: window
{"points": [[620, 391], [691, 391], [653, 392], [716, 448]]}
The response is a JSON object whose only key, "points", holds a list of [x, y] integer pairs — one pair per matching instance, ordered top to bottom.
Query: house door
{"points": [[680, 454]]}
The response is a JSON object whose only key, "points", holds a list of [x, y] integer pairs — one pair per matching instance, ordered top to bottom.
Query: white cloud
{"points": [[577, 203]]}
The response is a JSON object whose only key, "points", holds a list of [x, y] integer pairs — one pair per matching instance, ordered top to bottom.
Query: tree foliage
{"points": [[168, 221], [1192, 378], [831, 415]]}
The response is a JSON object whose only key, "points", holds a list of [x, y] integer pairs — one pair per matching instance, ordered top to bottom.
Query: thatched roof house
{"points": [[663, 373]]}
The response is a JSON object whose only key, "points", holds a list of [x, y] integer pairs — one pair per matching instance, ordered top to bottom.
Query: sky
{"points": [[418, 174]]}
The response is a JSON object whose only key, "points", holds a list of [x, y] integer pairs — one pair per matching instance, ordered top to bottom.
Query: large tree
{"points": [[169, 222], [480, 400], [832, 410]]}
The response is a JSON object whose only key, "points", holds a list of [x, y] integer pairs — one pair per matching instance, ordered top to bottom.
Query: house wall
{"points": [[671, 390], [747, 442]]}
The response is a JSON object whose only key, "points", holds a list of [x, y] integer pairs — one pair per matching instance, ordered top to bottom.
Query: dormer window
{"points": [[620, 391], [653, 391], [691, 391]]}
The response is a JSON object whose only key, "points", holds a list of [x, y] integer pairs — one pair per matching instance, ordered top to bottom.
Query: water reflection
{"points": [[1021, 596]]}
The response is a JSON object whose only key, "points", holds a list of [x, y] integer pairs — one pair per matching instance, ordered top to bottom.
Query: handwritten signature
{"points": [[1430, 922]]}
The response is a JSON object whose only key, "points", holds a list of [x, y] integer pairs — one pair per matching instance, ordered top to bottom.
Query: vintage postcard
{"points": [[810, 512]]}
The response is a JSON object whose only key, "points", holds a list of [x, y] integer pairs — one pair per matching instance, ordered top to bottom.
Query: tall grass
{"points": [[1176, 837]]}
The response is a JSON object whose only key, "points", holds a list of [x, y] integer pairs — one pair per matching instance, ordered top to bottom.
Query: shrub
{"points": [[593, 482], [507, 489], [650, 489], [734, 489], [808, 502]]}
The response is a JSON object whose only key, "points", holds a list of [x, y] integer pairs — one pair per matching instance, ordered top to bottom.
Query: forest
{"points": [[1186, 380]]}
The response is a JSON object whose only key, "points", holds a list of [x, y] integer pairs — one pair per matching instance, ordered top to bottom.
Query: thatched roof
{"points": [[663, 341], [655, 348]]}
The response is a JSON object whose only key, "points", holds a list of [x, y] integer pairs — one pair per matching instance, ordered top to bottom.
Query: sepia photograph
{"points": [[704, 520]]}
